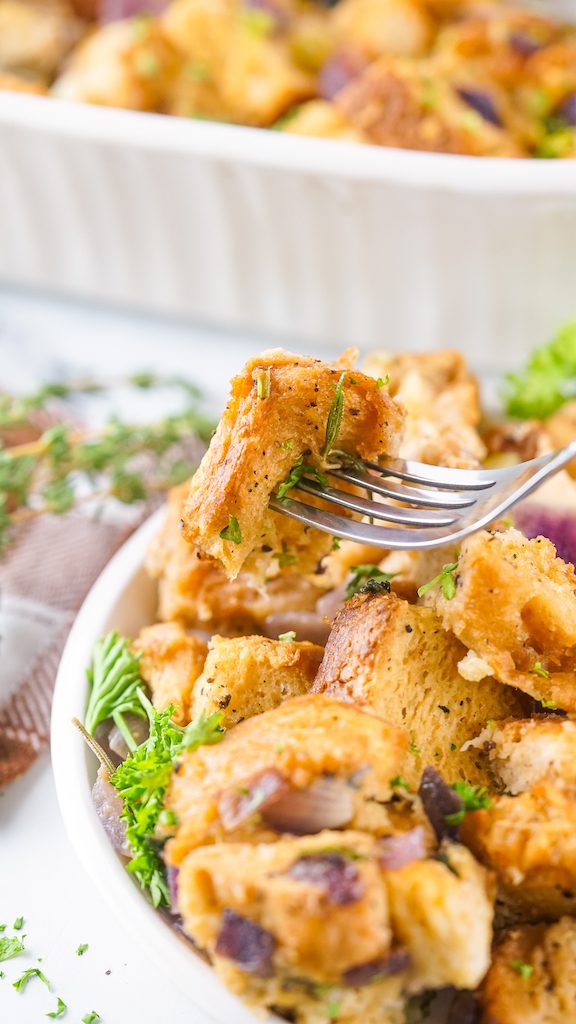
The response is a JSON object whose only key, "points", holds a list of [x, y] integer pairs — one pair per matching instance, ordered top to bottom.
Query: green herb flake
{"points": [[262, 378], [381, 382], [334, 421], [287, 444], [299, 470], [232, 532], [336, 544], [286, 557], [361, 575], [446, 580], [288, 637], [539, 670], [550, 705], [453, 746], [413, 749], [399, 782], [474, 798], [18, 924], [2, 927], [9, 948], [82, 949], [524, 970], [32, 972], [2, 975], [333, 1010], [59, 1011], [91, 1018]]}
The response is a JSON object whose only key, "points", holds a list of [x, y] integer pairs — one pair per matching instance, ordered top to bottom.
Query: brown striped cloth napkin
{"points": [[45, 574]]}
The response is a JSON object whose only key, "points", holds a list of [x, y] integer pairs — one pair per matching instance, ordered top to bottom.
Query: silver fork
{"points": [[439, 505]]}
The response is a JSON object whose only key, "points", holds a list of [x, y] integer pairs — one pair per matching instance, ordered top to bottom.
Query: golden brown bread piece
{"points": [[400, 28], [36, 35], [14, 83], [277, 415], [515, 607], [395, 659], [170, 663], [245, 676], [524, 751], [219, 792], [530, 842], [532, 979]]}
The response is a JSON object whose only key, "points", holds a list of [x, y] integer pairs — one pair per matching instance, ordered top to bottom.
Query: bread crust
{"points": [[170, 662]]}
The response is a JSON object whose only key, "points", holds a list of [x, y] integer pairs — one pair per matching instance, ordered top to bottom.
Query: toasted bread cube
{"points": [[400, 28], [36, 35], [321, 120], [278, 415], [515, 607], [394, 658], [171, 662], [245, 676], [525, 751], [244, 783], [530, 842], [441, 911], [532, 979]]}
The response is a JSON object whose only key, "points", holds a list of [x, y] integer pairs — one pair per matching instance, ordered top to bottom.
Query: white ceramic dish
{"points": [[305, 238], [123, 598]]}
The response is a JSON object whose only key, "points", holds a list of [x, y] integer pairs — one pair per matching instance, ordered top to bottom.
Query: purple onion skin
{"points": [[119, 10], [524, 44], [338, 72], [482, 103], [567, 109], [558, 526], [259, 793], [439, 801], [108, 806], [397, 851], [332, 872], [172, 876], [246, 943], [366, 974], [465, 1009]]}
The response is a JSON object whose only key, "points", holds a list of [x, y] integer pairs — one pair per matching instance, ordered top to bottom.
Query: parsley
{"points": [[262, 378], [548, 381], [381, 382], [334, 421], [287, 444], [296, 474], [232, 531], [335, 544], [285, 557], [363, 573], [446, 580], [288, 637], [538, 670], [114, 678], [551, 705], [413, 749], [142, 779], [399, 782], [474, 798], [18, 923], [2, 927], [10, 948], [82, 949], [524, 970], [32, 972], [2, 975], [333, 1010], [59, 1011], [91, 1018]]}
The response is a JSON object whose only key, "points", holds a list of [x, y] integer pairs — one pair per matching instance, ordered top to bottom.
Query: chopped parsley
{"points": [[262, 378], [548, 381], [381, 382], [334, 421], [299, 470], [232, 532], [336, 544], [285, 557], [363, 573], [446, 580], [288, 637], [539, 670], [114, 679], [551, 705], [413, 749], [399, 782], [474, 798], [18, 924], [2, 927], [9, 948], [82, 949], [524, 970], [32, 972], [333, 1010], [59, 1011], [91, 1018]]}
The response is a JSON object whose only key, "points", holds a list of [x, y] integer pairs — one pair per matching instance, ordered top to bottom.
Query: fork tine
{"points": [[437, 476], [410, 495], [379, 510]]}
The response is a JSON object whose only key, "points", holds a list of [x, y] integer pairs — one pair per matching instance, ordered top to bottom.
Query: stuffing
{"points": [[399, 28], [35, 36], [123, 64], [14, 83], [401, 103], [322, 120], [276, 417], [561, 429], [515, 607], [395, 659], [170, 662], [245, 676], [524, 751], [310, 763], [529, 841], [292, 917], [532, 979]]}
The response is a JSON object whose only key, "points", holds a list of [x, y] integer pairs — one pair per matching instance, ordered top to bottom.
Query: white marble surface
{"points": [[40, 877]]}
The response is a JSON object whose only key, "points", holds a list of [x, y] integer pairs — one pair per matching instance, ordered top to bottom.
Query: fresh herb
{"points": [[262, 378], [548, 381], [381, 382], [334, 421], [287, 444], [299, 470], [232, 532], [335, 544], [286, 557], [362, 573], [446, 580], [288, 637], [539, 670], [114, 678], [551, 705], [453, 746], [413, 749], [141, 781], [399, 782], [474, 798], [443, 858], [18, 924], [2, 927], [10, 948], [82, 949], [524, 970], [32, 972], [2, 975], [333, 1010], [59, 1011], [91, 1018]]}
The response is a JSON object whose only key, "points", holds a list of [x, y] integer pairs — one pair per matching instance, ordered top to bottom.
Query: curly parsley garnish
{"points": [[548, 381], [232, 532], [363, 573], [446, 580], [115, 679], [474, 798], [10, 948], [32, 972]]}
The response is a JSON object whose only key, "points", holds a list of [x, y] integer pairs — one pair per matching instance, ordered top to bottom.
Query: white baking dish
{"points": [[310, 239]]}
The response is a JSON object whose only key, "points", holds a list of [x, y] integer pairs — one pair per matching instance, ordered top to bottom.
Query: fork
{"points": [[439, 505]]}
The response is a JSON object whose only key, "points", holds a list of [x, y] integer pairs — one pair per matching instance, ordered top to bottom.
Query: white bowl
{"points": [[310, 239], [123, 598]]}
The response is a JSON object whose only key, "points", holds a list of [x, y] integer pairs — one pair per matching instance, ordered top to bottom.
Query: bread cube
{"points": [[170, 663]]}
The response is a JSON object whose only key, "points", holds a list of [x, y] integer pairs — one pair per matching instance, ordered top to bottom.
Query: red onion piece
{"points": [[118, 10], [524, 44], [339, 71], [482, 102], [567, 109], [559, 526], [330, 603], [306, 625], [439, 801], [327, 803], [237, 805], [108, 806], [397, 851], [332, 872], [172, 876], [246, 943], [366, 974]]}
